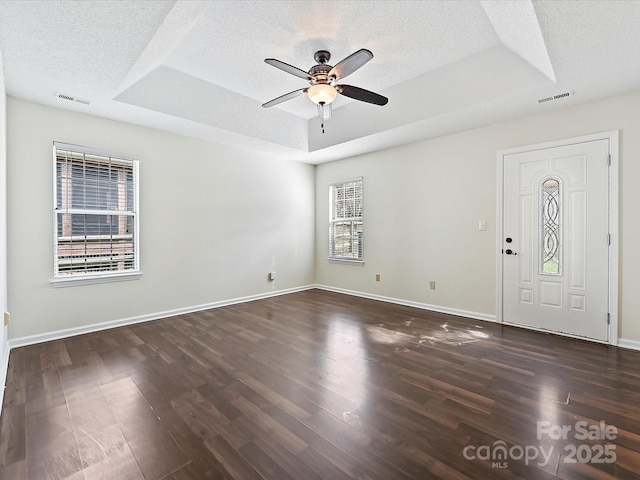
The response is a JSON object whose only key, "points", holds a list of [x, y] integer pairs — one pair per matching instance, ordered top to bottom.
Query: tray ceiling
{"points": [[197, 68]]}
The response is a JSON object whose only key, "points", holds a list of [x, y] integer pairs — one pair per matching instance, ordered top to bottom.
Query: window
{"points": [[96, 214], [345, 221], [550, 231]]}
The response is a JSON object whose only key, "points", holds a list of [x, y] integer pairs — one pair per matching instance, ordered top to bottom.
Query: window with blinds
{"points": [[346, 202], [96, 219]]}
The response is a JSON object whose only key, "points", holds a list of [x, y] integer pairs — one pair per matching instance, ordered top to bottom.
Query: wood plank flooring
{"points": [[320, 386]]}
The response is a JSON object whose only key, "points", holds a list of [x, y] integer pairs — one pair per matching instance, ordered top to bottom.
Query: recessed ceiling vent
{"points": [[554, 97], [71, 98]]}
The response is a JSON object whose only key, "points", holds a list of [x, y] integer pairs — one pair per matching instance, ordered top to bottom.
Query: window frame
{"points": [[332, 221], [79, 278]]}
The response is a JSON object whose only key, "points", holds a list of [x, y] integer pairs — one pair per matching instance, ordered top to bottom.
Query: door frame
{"points": [[612, 301]]}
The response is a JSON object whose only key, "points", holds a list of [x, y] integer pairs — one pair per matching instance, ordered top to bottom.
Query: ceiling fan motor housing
{"points": [[320, 74]]}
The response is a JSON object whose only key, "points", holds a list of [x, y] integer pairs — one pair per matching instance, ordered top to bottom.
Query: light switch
{"points": [[482, 225]]}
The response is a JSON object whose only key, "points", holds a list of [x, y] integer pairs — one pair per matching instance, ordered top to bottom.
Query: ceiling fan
{"points": [[323, 79]]}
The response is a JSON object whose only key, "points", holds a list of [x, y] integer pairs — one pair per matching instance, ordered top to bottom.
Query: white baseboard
{"points": [[409, 303], [70, 332], [56, 335], [629, 344]]}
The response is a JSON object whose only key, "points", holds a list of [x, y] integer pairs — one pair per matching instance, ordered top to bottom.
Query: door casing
{"points": [[613, 137]]}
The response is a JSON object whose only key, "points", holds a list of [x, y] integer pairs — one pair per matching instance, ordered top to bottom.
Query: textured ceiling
{"points": [[197, 68]]}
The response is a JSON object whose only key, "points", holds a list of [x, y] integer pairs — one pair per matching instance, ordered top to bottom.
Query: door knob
{"points": [[508, 251]]}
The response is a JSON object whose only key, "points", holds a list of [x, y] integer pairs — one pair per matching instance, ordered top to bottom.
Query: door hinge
{"points": [[609, 159], [609, 239], [608, 319]]}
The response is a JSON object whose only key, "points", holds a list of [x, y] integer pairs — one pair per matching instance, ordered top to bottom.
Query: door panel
{"points": [[555, 245]]}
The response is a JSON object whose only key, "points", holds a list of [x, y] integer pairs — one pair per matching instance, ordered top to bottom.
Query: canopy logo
{"points": [[499, 453]]}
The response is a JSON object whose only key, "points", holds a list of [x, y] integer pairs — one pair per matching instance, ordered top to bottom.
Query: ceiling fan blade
{"points": [[350, 64], [288, 68], [361, 94], [284, 98]]}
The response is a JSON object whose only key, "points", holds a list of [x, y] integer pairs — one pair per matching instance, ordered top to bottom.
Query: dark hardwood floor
{"points": [[317, 385]]}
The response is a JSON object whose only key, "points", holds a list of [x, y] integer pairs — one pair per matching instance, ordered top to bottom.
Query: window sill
{"points": [[346, 260], [92, 279]]}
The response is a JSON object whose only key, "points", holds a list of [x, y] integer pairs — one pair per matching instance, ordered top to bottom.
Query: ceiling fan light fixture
{"points": [[322, 94]]}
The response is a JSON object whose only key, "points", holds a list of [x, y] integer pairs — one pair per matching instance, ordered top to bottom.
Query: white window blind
{"points": [[346, 203], [96, 213]]}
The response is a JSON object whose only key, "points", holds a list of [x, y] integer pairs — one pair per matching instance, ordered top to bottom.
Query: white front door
{"points": [[555, 246]]}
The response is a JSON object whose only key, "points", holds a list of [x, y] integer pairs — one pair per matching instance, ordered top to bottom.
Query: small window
{"points": [[346, 202], [96, 214], [550, 231]]}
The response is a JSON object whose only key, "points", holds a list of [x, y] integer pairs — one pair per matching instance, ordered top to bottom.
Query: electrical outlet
{"points": [[272, 276], [377, 277], [432, 285], [7, 318]]}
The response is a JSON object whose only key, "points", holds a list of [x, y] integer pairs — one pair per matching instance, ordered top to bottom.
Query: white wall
{"points": [[423, 202], [236, 212], [212, 219], [4, 349]]}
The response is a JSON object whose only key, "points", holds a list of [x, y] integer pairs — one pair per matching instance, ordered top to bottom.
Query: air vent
{"points": [[554, 97], [73, 99]]}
